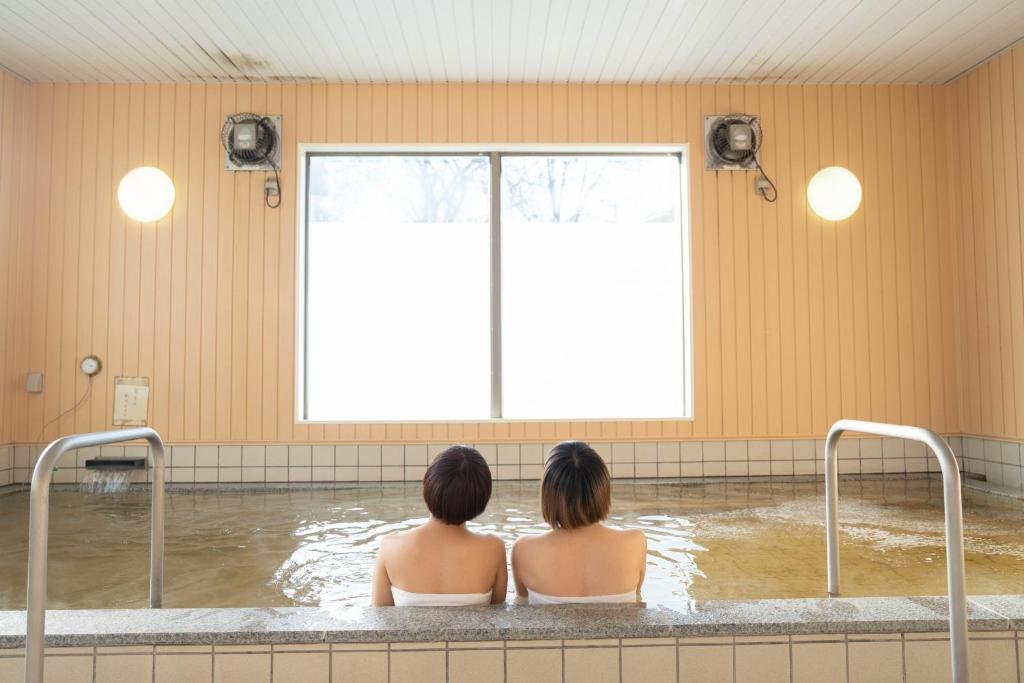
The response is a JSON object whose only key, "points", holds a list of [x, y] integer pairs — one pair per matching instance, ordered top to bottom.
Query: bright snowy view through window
{"points": [[408, 316]]}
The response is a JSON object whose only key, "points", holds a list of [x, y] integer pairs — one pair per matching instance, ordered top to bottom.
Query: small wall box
{"points": [[34, 383]]}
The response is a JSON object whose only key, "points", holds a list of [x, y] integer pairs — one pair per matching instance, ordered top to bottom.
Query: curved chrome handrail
{"points": [[954, 523], [38, 532]]}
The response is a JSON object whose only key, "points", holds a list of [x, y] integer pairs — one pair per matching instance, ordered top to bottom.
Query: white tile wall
{"points": [[1000, 462], [6, 464], [304, 464], [821, 658]]}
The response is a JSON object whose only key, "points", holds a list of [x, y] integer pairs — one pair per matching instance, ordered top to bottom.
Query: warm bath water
{"points": [[312, 547]]}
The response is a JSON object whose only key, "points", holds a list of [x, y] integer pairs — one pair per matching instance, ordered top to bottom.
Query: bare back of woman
{"points": [[439, 558], [580, 559], [441, 562], [587, 562]]}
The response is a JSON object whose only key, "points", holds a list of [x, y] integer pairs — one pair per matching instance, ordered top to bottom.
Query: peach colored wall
{"points": [[988, 114], [14, 120], [796, 322]]}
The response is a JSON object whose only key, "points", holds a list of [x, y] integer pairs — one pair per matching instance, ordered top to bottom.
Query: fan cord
{"points": [[266, 191], [763, 192], [88, 392]]}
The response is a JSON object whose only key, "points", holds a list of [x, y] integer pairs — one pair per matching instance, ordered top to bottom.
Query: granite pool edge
{"points": [[287, 625]]}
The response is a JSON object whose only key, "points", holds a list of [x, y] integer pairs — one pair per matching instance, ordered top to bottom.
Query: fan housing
{"points": [[252, 142], [738, 151]]}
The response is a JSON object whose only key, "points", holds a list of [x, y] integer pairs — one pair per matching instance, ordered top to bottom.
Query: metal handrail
{"points": [[954, 523], [38, 532]]}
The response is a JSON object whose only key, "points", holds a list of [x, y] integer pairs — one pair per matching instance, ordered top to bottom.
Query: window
{"points": [[469, 286]]}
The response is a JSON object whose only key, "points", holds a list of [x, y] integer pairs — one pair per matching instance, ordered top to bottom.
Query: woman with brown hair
{"points": [[580, 559], [441, 563]]}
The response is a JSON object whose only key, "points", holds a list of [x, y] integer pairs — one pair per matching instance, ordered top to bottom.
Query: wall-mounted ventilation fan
{"points": [[732, 142], [253, 143]]}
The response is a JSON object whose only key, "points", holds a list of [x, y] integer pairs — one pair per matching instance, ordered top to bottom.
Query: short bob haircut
{"points": [[457, 485], [576, 490]]}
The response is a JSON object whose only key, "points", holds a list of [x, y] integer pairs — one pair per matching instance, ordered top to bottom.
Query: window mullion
{"points": [[496, 409]]}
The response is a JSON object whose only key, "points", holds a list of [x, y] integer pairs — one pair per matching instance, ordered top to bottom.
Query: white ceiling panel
{"points": [[517, 41]]}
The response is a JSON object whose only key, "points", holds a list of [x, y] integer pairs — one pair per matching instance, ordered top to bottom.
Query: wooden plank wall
{"points": [[988, 112], [14, 136], [796, 322]]}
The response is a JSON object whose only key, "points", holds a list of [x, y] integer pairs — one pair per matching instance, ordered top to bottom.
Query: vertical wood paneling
{"points": [[987, 111], [15, 117], [781, 216], [706, 222], [223, 230], [742, 230], [243, 235], [871, 235], [167, 245], [101, 246], [842, 247], [763, 258], [286, 263], [948, 271], [55, 283], [209, 285], [727, 286], [273, 288], [190, 292], [255, 304], [819, 315], [858, 315], [796, 321]]}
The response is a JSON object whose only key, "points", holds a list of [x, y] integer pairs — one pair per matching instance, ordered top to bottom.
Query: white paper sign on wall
{"points": [[131, 401]]}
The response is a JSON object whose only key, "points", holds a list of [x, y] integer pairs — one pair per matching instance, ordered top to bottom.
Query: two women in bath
{"points": [[579, 560]]}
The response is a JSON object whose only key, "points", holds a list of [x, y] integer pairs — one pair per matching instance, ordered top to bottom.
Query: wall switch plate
{"points": [[34, 383], [131, 401]]}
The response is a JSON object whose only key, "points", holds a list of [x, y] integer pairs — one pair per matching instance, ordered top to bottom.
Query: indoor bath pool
{"points": [[233, 548]]}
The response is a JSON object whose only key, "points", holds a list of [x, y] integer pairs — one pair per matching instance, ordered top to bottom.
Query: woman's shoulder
{"points": [[631, 536], [487, 539], [396, 540], [528, 542], [489, 545]]}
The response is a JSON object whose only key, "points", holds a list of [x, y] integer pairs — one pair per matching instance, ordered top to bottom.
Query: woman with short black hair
{"points": [[580, 559], [441, 562]]}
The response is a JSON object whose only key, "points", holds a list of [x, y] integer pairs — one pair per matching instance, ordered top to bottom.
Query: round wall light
{"points": [[834, 193], [146, 194]]}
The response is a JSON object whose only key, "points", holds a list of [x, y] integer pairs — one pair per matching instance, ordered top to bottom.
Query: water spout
{"points": [[105, 481]]}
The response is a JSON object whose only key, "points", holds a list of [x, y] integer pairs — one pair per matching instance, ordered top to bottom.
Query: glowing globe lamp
{"points": [[834, 193], [146, 194]]}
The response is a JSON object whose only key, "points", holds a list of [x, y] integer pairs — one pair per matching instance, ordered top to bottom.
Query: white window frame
{"points": [[305, 150]]}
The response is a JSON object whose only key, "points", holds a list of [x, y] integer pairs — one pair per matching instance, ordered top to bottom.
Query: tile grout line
{"points": [[789, 640], [619, 653], [1017, 653], [846, 655], [903, 655], [734, 674]]}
